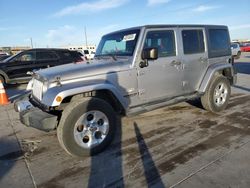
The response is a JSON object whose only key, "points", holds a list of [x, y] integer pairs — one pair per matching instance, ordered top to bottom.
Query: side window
{"points": [[219, 39], [163, 40], [193, 41], [26, 56], [45, 56]]}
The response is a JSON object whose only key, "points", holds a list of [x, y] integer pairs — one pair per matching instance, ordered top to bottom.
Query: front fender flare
{"points": [[49, 98]]}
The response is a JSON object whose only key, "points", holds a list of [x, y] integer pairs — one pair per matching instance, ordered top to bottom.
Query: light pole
{"points": [[86, 40], [31, 42]]}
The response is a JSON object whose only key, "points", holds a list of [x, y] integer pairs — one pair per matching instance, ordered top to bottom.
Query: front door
{"points": [[20, 65], [162, 78]]}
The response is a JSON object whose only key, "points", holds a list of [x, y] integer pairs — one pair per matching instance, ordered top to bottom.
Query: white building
{"points": [[90, 48]]}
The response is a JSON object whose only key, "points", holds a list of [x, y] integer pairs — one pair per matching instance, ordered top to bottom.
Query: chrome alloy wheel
{"points": [[220, 94], [91, 129]]}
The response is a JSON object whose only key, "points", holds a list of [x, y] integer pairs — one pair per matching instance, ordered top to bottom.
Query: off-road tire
{"points": [[207, 100], [69, 118]]}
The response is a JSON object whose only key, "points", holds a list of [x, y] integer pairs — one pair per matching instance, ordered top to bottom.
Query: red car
{"points": [[245, 47]]}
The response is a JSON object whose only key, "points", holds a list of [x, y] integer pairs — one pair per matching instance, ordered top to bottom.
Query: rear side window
{"points": [[219, 39], [163, 40], [193, 41], [65, 55], [76, 55], [46, 56]]}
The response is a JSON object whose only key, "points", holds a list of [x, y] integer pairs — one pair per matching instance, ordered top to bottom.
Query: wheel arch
{"points": [[217, 69], [4, 75], [67, 93], [103, 94]]}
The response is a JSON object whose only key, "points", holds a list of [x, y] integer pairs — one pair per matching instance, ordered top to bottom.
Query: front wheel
{"points": [[217, 95], [87, 127]]}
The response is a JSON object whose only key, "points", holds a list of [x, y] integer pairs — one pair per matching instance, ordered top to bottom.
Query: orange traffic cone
{"points": [[3, 96]]}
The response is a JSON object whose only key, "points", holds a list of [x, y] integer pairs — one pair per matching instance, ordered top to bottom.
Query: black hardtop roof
{"points": [[183, 25], [171, 26], [47, 49]]}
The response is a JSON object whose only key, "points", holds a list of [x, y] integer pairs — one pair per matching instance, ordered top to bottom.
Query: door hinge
{"points": [[140, 73], [184, 83], [141, 92]]}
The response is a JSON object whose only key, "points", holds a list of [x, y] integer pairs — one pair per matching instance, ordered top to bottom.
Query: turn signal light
{"points": [[58, 99]]}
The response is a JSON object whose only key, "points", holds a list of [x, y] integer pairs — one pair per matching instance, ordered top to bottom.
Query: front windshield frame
{"points": [[129, 38], [11, 57]]}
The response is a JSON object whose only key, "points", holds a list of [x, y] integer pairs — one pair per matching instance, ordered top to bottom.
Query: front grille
{"points": [[37, 89]]}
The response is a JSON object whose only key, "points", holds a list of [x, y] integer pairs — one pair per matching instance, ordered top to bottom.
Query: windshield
{"points": [[118, 44], [11, 57]]}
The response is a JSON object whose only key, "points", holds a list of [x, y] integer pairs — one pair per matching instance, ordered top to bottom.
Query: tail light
{"points": [[80, 60]]}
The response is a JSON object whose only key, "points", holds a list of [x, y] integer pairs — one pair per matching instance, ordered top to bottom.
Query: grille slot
{"points": [[37, 90]]}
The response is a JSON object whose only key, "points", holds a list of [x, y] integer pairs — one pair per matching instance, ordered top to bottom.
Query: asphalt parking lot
{"points": [[176, 146]]}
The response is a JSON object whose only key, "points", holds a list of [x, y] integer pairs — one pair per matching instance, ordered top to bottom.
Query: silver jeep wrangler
{"points": [[134, 70]]}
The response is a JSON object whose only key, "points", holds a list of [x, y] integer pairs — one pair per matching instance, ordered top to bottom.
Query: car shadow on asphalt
{"points": [[242, 67], [242, 88], [15, 91], [196, 103], [9, 154], [106, 167], [151, 172]]}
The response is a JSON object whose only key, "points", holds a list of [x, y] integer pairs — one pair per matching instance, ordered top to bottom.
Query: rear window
{"points": [[219, 39], [193, 41], [65, 54], [75, 54]]}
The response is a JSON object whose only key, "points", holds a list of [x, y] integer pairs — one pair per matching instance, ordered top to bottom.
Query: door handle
{"points": [[203, 60], [175, 63]]}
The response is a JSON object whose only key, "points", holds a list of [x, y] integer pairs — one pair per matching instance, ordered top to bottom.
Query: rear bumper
{"points": [[32, 116]]}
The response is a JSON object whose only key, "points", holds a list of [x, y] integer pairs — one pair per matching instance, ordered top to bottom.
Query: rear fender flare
{"points": [[211, 71]]}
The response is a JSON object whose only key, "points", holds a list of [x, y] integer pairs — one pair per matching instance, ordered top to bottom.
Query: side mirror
{"points": [[149, 54], [30, 73]]}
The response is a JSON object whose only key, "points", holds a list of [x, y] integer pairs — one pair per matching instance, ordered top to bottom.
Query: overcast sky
{"points": [[56, 23]]}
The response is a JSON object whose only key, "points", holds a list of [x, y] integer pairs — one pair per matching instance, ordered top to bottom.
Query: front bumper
{"points": [[32, 116]]}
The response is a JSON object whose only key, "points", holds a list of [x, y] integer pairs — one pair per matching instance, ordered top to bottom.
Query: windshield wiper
{"points": [[106, 55], [112, 55]]}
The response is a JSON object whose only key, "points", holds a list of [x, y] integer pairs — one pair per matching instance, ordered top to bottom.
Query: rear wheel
{"points": [[217, 95], [86, 127]]}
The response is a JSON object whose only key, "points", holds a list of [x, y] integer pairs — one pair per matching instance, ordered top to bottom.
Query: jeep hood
{"points": [[81, 70]]}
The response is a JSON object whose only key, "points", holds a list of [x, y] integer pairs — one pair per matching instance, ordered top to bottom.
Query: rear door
{"points": [[194, 58], [45, 59], [162, 78]]}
